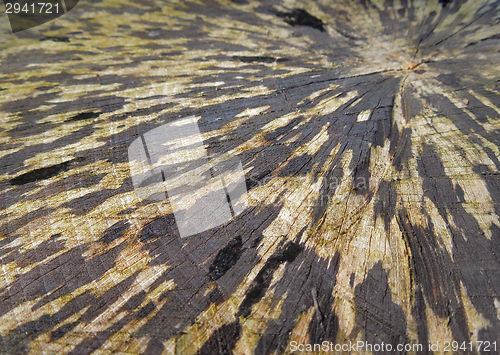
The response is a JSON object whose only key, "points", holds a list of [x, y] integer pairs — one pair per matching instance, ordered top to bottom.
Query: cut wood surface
{"points": [[369, 136]]}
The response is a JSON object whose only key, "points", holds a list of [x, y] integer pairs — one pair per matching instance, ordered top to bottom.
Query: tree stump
{"points": [[368, 135]]}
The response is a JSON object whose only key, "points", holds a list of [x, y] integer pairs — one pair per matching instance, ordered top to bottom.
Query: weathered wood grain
{"points": [[369, 136]]}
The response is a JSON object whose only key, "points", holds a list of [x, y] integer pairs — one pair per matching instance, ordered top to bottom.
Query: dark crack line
{"points": [[453, 34], [344, 77]]}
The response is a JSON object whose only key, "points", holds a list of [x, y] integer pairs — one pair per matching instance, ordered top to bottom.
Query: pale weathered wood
{"points": [[369, 136]]}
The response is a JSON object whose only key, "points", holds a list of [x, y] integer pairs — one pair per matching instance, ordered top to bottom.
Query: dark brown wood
{"points": [[368, 132]]}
